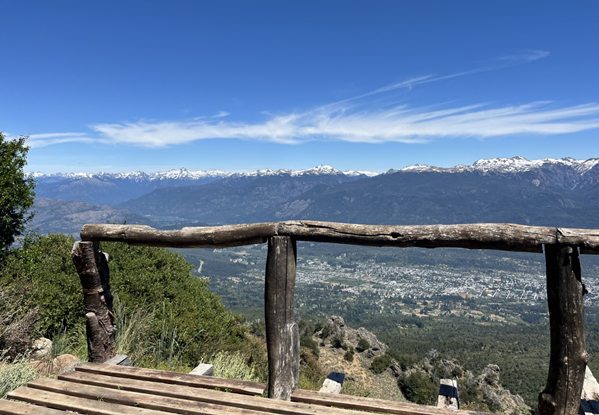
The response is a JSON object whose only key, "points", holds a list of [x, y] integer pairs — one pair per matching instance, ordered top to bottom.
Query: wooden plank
{"points": [[209, 236], [503, 236], [92, 267], [282, 335], [568, 356], [154, 375], [253, 388], [148, 401], [256, 403], [76, 404], [372, 405], [20, 408]]}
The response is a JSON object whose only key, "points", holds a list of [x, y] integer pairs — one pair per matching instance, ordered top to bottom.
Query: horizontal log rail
{"points": [[501, 236], [561, 246]]}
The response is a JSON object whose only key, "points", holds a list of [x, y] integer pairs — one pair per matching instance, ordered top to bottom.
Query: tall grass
{"points": [[73, 342], [159, 350], [233, 365], [14, 373]]}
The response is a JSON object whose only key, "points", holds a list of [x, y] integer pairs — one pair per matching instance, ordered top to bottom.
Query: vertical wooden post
{"points": [[92, 267], [282, 334], [568, 357]]}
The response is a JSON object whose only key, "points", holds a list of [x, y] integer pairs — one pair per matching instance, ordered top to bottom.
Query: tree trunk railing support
{"points": [[92, 266], [282, 334], [568, 355]]}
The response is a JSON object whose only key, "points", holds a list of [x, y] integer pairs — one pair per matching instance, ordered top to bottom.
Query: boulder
{"points": [[41, 348], [64, 363]]}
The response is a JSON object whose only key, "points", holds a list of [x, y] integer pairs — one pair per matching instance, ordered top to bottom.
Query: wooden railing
{"points": [[568, 356]]}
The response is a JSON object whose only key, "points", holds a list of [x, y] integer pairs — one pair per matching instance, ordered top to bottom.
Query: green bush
{"points": [[42, 273], [159, 280], [182, 319], [326, 331], [337, 342], [309, 343], [362, 345], [349, 354], [380, 363], [311, 373], [418, 387]]}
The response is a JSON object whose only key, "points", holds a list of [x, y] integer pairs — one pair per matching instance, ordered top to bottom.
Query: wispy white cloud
{"points": [[524, 56], [372, 117], [344, 123], [43, 140]]}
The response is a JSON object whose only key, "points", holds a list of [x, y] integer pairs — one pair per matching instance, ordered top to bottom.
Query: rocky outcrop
{"points": [[335, 332], [418, 382], [481, 392], [495, 396]]}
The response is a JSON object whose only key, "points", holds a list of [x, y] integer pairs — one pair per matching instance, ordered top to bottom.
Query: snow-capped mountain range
{"points": [[507, 165], [186, 174], [563, 192]]}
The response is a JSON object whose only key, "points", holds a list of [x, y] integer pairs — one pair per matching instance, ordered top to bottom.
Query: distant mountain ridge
{"points": [[515, 164], [186, 174], [113, 188], [560, 192]]}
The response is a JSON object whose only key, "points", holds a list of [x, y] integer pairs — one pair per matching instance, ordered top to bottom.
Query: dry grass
{"points": [[232, 365], [14, 373]]}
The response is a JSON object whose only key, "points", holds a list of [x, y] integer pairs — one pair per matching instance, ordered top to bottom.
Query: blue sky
{"points": [[240, 85]]}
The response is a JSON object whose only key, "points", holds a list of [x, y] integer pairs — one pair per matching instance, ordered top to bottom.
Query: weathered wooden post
{"points": [[92, 266], [282, 335], [568, 357]]}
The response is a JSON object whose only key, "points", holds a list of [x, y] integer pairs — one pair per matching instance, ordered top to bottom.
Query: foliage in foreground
{"points": [[16, 190], [166, 314]]}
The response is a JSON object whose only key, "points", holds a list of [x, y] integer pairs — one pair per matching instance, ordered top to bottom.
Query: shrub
{"points": [[42, 273], [160, 280], [182, 319], [326, 331], [337, 342], [309, 343], [362, 345], [349, 354], [380, 363], [311, 373], [418, 387]]}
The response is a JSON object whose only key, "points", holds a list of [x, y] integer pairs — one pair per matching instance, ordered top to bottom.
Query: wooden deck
{"points": [[102, 389]]}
